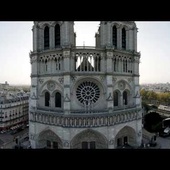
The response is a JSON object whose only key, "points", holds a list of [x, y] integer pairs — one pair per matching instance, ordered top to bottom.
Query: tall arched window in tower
{"points": [[57, 35], [114, 36], [46, 37], [123, 38], [116, 98], [125, 98], [47, 99], [58, 100]]}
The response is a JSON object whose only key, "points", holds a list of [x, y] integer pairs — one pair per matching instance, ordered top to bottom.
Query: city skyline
{"points": [[152, 41]]}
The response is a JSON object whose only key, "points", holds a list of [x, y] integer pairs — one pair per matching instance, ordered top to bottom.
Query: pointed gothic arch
{"points": [[57, 35], [114, 36], [46, 37], [124, 38], [126, 97], [116, 98], [47, 99], [58, 99], [126, 135], [90, 138], [49, 139]]}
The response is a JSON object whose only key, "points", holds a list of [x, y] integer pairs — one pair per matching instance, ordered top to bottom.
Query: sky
{"points": [[153, 41]]}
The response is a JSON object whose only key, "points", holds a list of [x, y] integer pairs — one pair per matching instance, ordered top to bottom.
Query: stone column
{"points": [[66, 32], [102, 35], [109, 36], [119, 37], [35, 38], [41, 39], [127, 39], [135, 39], [52, 40], [130, 41], [66, 56], [109, 58], [72, 62], [103, 62], [109, 62], [136, 65], [34, 81], [121, 100]]}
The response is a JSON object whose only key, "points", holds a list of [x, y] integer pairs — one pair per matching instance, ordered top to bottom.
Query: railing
{"points": [[85, 47], [85, 120]]}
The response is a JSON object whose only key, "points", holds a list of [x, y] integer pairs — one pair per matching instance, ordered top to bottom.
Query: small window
{"points": [[114, 34], [57, 35], [46, 37], [123, 38], [116, 98], [47, 99], [58, 100], [125, 101], [125, 140], [119, 142], [48, 144], [55, 145], [84, 145], [92, 145]]}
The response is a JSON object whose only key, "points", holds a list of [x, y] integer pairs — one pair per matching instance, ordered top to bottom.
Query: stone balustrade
{"points": [[85, 120]]}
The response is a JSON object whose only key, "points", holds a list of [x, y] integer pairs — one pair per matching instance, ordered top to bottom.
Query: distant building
{"points": [[4, 86], [85, 97], [13, 110], [164, 111]]}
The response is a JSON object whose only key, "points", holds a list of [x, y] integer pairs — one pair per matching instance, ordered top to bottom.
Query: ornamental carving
{"points": [[33, 58], [73, 78], [102, 78], [114, 79], [61, 80], [129, 80], [41, 81], [51, 85], [121, 85], [111, 141], [66, 143]]}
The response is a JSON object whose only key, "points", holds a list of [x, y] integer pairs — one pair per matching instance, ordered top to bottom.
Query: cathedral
{"points": [[85, 97]]}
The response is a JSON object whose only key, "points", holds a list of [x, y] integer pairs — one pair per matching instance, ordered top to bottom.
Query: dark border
{"points": [[85, 11]]}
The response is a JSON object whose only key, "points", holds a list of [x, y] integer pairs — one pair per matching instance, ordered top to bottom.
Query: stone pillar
{"points": [[109, 36], [66, 37], [119, 37], [35, 38], [41, 39], [127, 39], [135, 39], [52, 40], [130, 41], [102, 43], [66, 55], [72, 62], [103, 62], [109, 62], [136, 65], [34, 82], [137, 92], [121, 100]]}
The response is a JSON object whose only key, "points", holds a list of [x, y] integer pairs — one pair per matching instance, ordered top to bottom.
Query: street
{"points": [[8, 141], [164, 142]]}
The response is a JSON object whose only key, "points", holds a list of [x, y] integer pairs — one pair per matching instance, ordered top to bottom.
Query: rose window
{"points": [[87, 93]]}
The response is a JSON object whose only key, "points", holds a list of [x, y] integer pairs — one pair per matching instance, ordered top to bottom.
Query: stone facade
{"points": [[84, 97], [14, 108]]}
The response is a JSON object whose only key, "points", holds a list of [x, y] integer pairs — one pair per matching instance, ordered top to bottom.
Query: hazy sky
{"points": [[16, 43]]}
